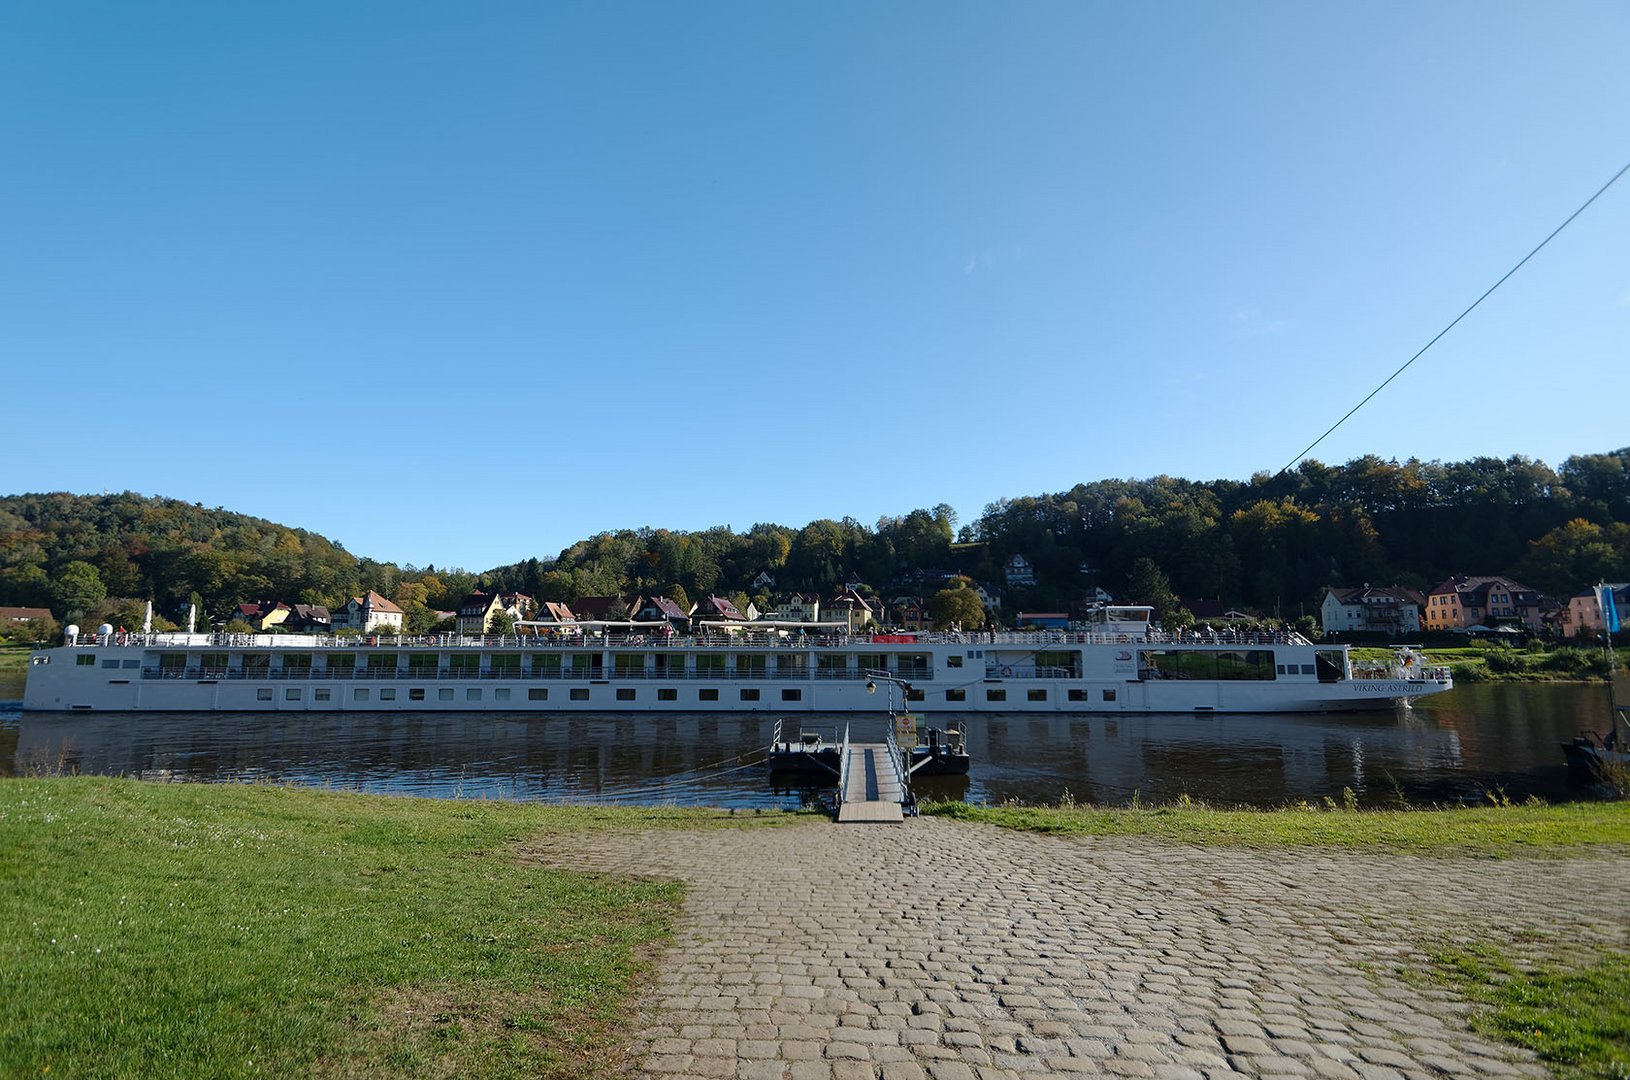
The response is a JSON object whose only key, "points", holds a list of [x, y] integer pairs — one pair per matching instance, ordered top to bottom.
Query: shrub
{"points": [[1503, 662]]}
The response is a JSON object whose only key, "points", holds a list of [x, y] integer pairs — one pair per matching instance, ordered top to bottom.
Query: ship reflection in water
{"points": [[1458, 747]]}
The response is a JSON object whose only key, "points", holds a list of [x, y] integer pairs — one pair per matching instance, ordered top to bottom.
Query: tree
{"points": [[1148, 584], [77, 588], [957, 606], [502, 623]]}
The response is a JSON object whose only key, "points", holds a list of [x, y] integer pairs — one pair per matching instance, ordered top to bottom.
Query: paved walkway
{"points": [[960, 952]]}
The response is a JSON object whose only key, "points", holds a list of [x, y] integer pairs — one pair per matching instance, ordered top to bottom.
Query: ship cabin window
{"points": [[85, 660], [953, 661], [109, 663], [132, 663], [214, 663], [171, 664], [585, 664], [1209, 664], [340, 665], [423, 665], [464, 665], [505, 665], [546, 665], [628, 665], [671, 665], [912, 665], [1058, 665], [1331, 665], [709, 666], [750, 666], [831, 666], [322, 693], [360, 693], [387, 693], [444, 693], [472, 693], [499, 693], [537, 693], [580, 693], [625, 693], [667, 693], [263, 694], [292, 694], [416, 694], [707, 695], [749, 695], [792, 695], [916, 695], [956, 695], [995, 695], [1036, 695], [1079, 695], [1109, 695]]}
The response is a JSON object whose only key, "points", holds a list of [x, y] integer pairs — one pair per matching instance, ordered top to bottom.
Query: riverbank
{"points": [[1505, 663], [243, 930]]}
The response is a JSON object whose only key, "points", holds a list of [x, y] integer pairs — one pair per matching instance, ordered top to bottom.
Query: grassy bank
{"points": [[1504, 663], [1492, 831], [212, 930]]}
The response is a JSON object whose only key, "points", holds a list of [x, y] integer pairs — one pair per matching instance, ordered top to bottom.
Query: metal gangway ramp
{"points": [[872, 786]]}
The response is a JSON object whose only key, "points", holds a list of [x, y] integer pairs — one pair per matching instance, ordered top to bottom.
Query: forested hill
{"points": [[1271, 541]]}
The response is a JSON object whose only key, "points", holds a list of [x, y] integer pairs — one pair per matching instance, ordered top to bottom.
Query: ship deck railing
{"points": [[713, 640]]}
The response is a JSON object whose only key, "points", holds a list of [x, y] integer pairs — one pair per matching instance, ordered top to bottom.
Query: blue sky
{"points": [[463, 283]]}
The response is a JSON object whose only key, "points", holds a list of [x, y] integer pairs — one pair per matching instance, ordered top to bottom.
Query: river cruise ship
{"points": [[1118, 663]]}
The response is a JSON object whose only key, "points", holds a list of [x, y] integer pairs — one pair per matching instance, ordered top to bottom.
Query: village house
{"points": [[1018, 571], [1462, 603], [800, 607], [604, 608], [662, 609], [852, 609], [714, 610], [1392, 610], [476, 612], [911, 613], [263, 614], [369, 614], [12, 615], [1583, 615], [308, 619]]}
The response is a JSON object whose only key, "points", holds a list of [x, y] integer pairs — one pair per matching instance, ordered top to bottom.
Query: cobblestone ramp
{"points": [[958, 952]]}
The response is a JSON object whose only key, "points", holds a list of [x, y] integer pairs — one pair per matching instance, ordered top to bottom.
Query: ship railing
{"points": [[843, 767]]}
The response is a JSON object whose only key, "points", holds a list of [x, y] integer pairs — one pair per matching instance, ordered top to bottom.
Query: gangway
{"points": [[872, 782]]}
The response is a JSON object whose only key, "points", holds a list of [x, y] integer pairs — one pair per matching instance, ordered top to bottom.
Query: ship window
{"points": [[85, 660], [953, 661], [110, 663], [132, 663], [709, 665], [1308, 669], [444, 693], [472, 693], [499, 693], [537, 693], [580, 693], [625, 693], [667, 693], [263, 694], [292, 694], [322, 694], [359, 694], [416, 694], [707, 695], [749, 695], [792, 695], [915, 695], [956, 695], [995, 695], [1037, 695], [1078, 695], [1109, 695]]}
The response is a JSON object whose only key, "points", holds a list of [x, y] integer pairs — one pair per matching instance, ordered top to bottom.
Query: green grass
{"points": [[1491, 831], [230, 930], [1575, 1018]]}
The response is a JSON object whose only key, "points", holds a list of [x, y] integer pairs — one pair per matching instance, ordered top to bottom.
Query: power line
{"points": [[1457, 319]]}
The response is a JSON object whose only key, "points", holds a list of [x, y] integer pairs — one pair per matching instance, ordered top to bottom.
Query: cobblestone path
{"points": [[962, 952]]}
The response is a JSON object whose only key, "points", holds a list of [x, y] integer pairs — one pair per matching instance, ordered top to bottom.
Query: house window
{"points": [[537, 693], [580, 693], [625, 693], [667, 693], [707, 695], [749, 695], [792, 695], [956, 695], [995, 695]]}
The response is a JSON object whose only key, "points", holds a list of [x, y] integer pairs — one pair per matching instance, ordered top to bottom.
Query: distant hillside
{"points": [[1272, 543]]}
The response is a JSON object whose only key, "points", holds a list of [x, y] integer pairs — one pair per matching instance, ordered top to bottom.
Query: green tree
{"points": [[1148, 584], [77, 588], [957, 606], [502, 623]]}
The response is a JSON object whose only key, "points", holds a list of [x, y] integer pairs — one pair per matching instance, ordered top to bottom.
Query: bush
{"points": [[1572, 661], [1503, 662], [1470, 673]]}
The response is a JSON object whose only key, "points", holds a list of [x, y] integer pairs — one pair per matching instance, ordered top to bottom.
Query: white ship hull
{"points": [[948, 674]]}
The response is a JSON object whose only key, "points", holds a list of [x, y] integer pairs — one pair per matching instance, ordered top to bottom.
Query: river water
{"points": [[1477, 740]]}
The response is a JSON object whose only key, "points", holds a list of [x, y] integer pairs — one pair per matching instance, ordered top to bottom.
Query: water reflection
{"points": [[1455, 747]]}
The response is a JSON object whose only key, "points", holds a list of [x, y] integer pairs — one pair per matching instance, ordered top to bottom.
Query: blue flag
{"points": [[1610, 614]]}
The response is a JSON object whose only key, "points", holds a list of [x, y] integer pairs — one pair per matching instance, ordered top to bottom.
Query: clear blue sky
{"points": [[462, 283]]}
